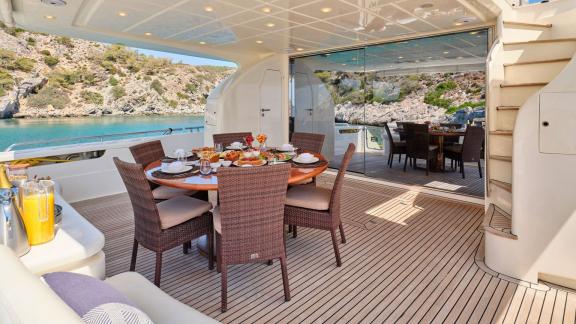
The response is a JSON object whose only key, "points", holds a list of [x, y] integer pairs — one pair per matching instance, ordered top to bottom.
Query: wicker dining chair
{"points": [[228, 138], [309, 142], [418, 145], [395, 147], [469, 151], [148, 152], [319, 208], [249, 221], [167, 224]]}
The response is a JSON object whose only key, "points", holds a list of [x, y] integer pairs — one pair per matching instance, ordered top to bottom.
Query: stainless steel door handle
{"points": [[263, 110]]}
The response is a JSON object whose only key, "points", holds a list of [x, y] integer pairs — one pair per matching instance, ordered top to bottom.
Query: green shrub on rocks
{"points": [[31, 41], [66, 41], [45, 52], [51, 61], [24, 64], [109, 67], [68, 78], [113, 81], [6, 82], [157, 86], [118, 92], [49, 95], [92, 97], [434, 97], [172, 103]]}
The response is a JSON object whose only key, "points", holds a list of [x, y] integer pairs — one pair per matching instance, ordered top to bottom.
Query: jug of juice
{"points": [[37, 199]]}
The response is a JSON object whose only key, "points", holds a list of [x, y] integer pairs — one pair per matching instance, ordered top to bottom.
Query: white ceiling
{"points": [[228, 27]]}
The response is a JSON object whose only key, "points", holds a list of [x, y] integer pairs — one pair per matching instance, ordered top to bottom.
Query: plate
{"points": [[233, 148], [292, 150], [172, 156], [288, 158], [314, 160], [262, 162], [185, 169]]}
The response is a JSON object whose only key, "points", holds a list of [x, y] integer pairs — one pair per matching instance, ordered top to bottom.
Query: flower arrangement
{"points": [[261, 138], [249, 140]]}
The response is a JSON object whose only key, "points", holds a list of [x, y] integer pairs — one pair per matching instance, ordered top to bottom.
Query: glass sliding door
{"points": [[322, 84]]}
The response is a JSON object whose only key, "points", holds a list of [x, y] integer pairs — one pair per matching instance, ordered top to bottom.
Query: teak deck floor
{"points": [[409, 258]]}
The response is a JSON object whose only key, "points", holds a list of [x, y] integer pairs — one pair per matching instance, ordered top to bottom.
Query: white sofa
{"points": [[26, 299]]}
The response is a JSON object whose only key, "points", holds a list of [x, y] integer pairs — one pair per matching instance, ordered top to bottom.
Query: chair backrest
{"points": [[402, 133], [228, 138], [390, 138], [417, 140], [310, 142], [472, 145], [148, 152], [335, 198], [251, 204], [146, 218]]}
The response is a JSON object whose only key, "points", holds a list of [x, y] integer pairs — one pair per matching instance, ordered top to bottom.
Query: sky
{"points": [[186, 59]]}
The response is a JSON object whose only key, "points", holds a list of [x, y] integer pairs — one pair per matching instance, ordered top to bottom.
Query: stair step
{"points": [[525, 24], [541, 41], [566, 59], [527, 84], [507, 107], [501, 132], [501, 158], [502, 185], [498, 222]]}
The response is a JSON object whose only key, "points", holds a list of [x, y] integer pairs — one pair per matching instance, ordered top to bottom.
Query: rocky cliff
{"points": [[50, 76]]}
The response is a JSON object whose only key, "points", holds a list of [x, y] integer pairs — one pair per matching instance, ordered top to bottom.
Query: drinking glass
{"points": [[219, 147], [180, 155], [205, 167]]}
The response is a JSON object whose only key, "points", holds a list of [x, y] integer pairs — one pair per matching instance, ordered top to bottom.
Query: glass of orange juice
{"points": [[37, 199]]}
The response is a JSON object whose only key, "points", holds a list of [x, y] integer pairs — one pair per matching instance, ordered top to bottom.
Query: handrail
{"points": [[100, 138]]}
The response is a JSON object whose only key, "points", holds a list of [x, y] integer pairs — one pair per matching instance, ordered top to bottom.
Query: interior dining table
{"points": [[438, 139], [199, 182]]}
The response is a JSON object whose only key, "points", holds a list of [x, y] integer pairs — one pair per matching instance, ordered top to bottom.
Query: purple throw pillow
{"points": [[94, 300]]}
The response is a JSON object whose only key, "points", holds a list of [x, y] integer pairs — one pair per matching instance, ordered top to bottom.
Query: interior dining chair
{"points": [[228, 138], [418, 145], [394, 147], [469, 151], [148, 152], [319, 208], [249, 219], [162, 226]]}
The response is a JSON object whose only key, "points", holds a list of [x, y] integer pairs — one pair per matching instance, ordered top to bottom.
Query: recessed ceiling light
{"points": [[208, 9], [266, 9], [326, 9], [122, 14], [49, 17], [406, 21], [270, 25], [473, 33], [148, 34], [259, 42], [202, 43], [299, 49], [446, 52], [400, 57], [429, 57], [460, 57], [417, 61]]}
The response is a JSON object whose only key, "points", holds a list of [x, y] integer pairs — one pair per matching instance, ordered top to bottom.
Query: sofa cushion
{"points": [[310, 197], [178, 210], [25, 299], [94, 300], [158, 305]]}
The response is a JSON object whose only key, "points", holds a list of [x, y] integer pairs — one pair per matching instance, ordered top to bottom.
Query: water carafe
{"points": [[37, 199]]}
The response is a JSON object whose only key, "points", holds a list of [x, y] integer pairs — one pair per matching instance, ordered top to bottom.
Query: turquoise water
{"points": [[26, 130]]}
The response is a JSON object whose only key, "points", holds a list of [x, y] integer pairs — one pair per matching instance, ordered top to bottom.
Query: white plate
{"points": [[233, 148], [294, 149], [172, 156], [314, 160], [185, 169]]}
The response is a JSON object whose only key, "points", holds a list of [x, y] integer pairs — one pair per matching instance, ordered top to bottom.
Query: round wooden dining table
{"points": [[200, 182]]}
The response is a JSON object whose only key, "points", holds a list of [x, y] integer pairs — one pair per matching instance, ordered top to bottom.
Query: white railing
{"points": [[103, 138]]}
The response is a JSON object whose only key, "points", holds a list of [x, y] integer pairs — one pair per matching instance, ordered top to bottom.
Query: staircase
{"points": [[528, 58]]}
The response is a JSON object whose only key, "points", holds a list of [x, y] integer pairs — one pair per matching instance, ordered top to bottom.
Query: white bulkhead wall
{"points": [[234, 106]]}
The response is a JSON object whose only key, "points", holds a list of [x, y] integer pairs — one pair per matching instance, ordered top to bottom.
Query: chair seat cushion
{"points": [[455, 148], [165, 192], [309, 197], [180, 209]]}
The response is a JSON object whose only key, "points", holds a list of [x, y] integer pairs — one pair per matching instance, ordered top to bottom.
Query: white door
{"points": [[271, 107], [303, 112]]}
